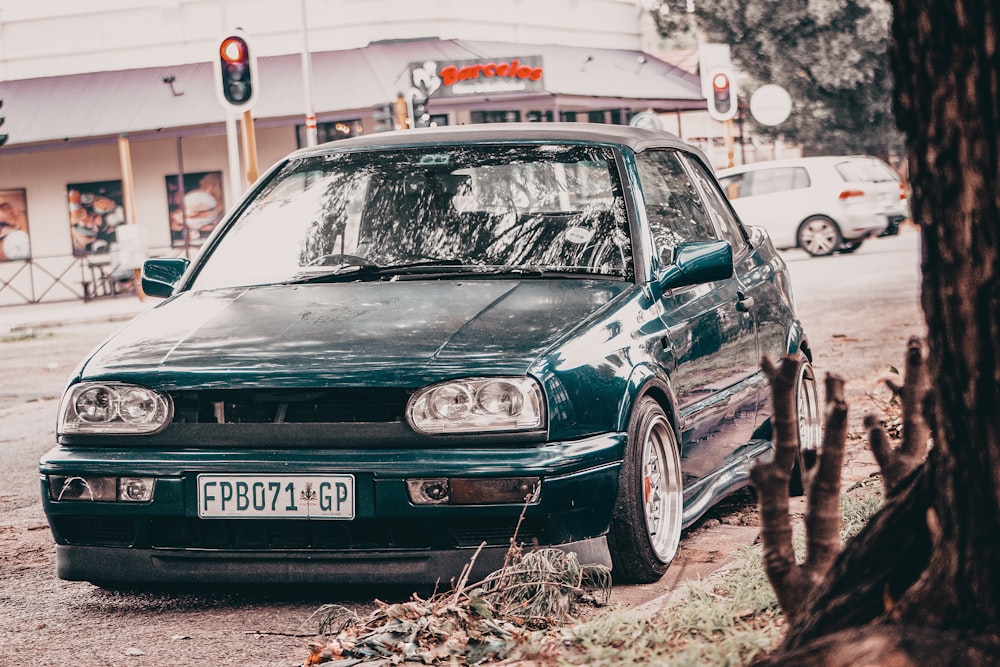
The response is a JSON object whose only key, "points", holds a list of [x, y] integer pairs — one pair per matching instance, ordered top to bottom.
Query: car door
{"points": [[762, 276], [709, 335]]}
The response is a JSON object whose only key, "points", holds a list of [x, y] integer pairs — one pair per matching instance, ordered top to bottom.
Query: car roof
{"points": [[635, 138], [791, 162]]}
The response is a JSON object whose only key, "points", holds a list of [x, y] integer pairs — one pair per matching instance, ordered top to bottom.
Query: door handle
{"points": [[744, 303]]}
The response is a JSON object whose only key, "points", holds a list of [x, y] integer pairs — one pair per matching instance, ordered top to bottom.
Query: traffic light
{"points": [[237, 82], [723, 100], [420, 116], [385, 117], [3, 137]]}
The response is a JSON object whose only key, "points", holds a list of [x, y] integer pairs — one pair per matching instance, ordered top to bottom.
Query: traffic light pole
{"points": [[249, 146], [233, 150], [730, 153]]}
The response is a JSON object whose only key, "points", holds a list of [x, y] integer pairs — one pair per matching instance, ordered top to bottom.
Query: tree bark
{"points": [[946, 60], [921, 583]]}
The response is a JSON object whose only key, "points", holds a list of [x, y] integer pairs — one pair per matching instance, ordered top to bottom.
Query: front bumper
{"points": [[390, 539]]}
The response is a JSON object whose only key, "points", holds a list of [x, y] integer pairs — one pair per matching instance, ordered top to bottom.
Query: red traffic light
{"points": [[234, 50], [237, 82], [722, 97]]}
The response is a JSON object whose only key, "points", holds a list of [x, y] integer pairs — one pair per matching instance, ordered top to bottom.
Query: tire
{"points": [[819, 236], [847, 247], [810, 427], [646, 524]]}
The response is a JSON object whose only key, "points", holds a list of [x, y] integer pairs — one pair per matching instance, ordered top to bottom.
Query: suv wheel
{"points": [[819, 236]]}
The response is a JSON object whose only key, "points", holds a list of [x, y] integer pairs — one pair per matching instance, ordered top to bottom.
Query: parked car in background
{"points": [[822, 204], [398, 344]]}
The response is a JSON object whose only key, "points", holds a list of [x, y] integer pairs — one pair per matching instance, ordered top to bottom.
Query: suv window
{"points": [[674, 207]]}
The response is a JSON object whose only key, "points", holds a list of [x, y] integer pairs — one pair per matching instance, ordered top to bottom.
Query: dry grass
{"points": [[524, 614]]}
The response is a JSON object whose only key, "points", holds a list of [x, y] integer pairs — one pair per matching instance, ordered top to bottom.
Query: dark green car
{"points": [[403, 348]]}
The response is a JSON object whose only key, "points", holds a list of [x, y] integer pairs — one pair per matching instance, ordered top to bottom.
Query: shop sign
{"points": [[484, 76]]}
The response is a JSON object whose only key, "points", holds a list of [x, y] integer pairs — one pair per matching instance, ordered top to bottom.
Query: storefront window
{"points": [[495, 116], [540, 116], [613, 116], [438, 120], [331, 131]]}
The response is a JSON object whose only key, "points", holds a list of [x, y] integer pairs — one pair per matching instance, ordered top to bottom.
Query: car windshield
{"points": [[533, 208]]}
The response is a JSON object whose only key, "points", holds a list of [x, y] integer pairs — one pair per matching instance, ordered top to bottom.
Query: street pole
{"points": [[311, 138], [233, 149], [730, 155], [128, 196]]}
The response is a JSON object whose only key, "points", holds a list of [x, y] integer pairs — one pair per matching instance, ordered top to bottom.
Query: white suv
{"points": [[820, 204]]}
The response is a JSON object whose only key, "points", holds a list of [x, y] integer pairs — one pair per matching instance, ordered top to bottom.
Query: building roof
{"points": [[139, 102]]}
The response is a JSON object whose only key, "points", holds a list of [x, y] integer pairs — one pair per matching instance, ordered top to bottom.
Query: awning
{"points": [[139, 102]]}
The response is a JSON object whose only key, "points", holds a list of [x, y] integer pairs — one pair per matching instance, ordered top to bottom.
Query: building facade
{"points": [[112, 112]]}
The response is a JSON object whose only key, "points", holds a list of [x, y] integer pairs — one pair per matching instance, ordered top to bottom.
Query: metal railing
{"points": [[55, 278]]}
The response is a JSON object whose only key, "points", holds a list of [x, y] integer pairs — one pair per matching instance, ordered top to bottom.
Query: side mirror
{"points": [[696, 263], [160, 276]]}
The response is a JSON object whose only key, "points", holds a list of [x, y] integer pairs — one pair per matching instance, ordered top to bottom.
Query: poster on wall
{"points": [[196, 205], [95, 211], [15, 243]]}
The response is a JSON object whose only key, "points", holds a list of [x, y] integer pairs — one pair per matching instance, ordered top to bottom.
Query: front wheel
{"points": [[819, 236], [810, 426], [646, 526]]}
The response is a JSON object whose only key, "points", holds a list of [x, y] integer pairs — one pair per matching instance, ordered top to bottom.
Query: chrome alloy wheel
{"points": [[810, 423], [661, 488]]}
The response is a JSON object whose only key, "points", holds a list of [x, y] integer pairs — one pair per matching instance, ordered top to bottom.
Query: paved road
{"points": [[857, 309]]}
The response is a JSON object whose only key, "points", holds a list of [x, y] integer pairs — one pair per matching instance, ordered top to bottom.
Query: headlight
{"points": [[477, 404], [111, 407]]}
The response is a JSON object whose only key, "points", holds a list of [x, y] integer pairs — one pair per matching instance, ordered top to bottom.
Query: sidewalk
{"points": [[37, 316]]}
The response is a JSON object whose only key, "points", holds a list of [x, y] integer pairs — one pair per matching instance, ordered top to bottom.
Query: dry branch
{"points": [[898, 463], [793, 583]]}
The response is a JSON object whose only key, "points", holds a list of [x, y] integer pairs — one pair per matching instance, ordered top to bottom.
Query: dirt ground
{"points": [[857, 332]]}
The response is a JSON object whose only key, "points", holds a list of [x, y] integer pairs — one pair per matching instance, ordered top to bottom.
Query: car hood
{"points": [[385, 333]]}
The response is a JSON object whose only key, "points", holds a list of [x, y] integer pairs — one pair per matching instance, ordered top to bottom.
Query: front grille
{"points": [[290, 406], [279, 534]]}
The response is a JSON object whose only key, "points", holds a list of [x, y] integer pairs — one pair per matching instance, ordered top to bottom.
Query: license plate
{"points": [[281, 496]]}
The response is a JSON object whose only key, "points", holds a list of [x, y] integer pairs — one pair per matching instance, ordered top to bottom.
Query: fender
{"points": [[796, 339], [647, 379]]}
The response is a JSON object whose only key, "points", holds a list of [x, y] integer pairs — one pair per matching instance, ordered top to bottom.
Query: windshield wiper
{"points": [[348, 272]]}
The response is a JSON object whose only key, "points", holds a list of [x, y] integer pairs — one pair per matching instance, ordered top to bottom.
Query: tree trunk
{"points": [[923, 579]]}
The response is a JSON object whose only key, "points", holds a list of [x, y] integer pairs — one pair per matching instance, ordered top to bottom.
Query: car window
{"points": [[869, 169], [776, 179], [733, 186], [674, 205], [543, 207], [729, 227]]}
